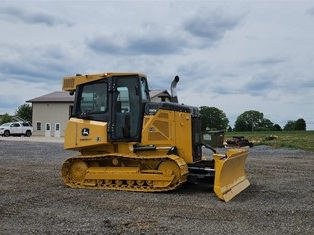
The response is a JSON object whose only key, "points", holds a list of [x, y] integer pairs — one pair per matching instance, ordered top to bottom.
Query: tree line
{"points": [[24, 111], [213, 118]]}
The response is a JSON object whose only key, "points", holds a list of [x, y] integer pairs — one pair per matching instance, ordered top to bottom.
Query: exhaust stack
{"points": [[174, 97]]}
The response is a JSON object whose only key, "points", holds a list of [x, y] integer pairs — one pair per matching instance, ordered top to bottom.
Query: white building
{"points": [[51, 113]]}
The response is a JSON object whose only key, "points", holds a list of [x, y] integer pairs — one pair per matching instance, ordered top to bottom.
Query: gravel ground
{"points": [[33, 139], [33, 198]]}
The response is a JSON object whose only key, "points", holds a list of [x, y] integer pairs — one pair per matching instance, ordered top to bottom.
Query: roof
{"points": [[159, 93], [54, 97], [65, 97]]}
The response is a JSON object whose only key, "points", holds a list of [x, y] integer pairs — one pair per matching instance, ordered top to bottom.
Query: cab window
{"points": [[144, 90], [93, 98], [123, 98]]}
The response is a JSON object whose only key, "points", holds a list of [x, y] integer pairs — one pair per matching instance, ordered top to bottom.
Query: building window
{"points": [[163, 99], [38, 126]]}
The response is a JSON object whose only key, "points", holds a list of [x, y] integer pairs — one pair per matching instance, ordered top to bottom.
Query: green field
{"points": [[288, 139]]}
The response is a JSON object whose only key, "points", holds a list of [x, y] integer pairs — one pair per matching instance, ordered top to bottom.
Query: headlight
{"points": [[1, 128]]}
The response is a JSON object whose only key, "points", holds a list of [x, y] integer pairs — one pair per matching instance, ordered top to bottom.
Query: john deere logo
{"points": [[85, 132]]}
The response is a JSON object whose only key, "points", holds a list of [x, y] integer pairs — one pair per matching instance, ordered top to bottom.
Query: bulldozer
{"points": [[126, 142]]}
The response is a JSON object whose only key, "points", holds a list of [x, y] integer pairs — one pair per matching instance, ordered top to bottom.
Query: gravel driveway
{"points": [[33, 198]]}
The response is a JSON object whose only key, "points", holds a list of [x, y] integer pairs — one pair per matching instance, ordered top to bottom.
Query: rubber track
{"points": [[135, 188]]}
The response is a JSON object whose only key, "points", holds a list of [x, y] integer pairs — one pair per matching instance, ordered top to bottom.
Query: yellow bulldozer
{"points": [[126, 142]]}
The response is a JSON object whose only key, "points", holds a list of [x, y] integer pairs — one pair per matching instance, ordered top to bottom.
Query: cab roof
{"points": [[70, 83]]}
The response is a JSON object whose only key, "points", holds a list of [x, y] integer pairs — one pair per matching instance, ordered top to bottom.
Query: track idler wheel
{"points": [[170, 168], [77, 171]]}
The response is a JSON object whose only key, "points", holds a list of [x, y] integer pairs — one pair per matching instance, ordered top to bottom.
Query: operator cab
{"points": [[117, 100]]}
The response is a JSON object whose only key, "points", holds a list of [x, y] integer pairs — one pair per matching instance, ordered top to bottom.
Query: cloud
{"points": [[311, 11], [31, 16], [211, 26], [198, 32], [145, 45], [156, 46], [266, 61], [40, 63], [197, 69], [32, 71], [28, 72], [232, 84], [307, 84], [258, 85], [6, 103]]}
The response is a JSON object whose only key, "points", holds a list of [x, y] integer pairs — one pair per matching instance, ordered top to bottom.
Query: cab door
{"points": [[126, 109]]}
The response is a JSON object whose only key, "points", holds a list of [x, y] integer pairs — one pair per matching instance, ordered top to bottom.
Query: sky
{"points": [[233, 55]]}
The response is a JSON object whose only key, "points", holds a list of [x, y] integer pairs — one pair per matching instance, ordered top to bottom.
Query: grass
{"points": [[289, 139]]}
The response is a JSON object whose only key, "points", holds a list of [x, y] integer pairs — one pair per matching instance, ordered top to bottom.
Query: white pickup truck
{"points": [[16, 128]]}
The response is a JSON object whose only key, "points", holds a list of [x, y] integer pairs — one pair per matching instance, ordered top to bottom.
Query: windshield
{"points": [[93, 98], [6, 124]]}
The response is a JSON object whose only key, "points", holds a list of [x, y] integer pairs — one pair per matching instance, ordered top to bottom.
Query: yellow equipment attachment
{"points": [[230, 178]]}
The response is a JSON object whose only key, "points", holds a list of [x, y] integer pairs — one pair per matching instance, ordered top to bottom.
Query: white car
{"points": [[16, 128]]}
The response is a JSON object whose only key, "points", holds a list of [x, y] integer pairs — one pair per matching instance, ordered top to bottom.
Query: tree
{"points": [[24, 111], [6, 118], [213, 118], [249, 120], [265, 125], [300, 125], [290, 126], [277, 128], [229, 129]]}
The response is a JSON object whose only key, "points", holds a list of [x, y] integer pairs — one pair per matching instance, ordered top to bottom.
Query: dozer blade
{"points": [[230, 178]]}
